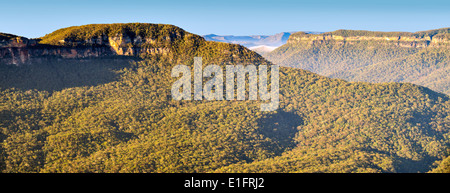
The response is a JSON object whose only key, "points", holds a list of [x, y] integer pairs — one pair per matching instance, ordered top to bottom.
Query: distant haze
{"points": [[258, 43]]}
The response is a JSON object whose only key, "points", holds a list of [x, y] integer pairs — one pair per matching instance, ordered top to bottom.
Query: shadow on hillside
{"points": [[58, 74], [435, 95], [281, 128], [415, 166]]}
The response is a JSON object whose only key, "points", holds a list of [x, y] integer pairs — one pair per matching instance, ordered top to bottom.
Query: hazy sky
{"points": [[233, 17]]}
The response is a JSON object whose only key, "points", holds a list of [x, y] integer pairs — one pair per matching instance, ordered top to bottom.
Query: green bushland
{"points": [[420, 62], [125, 120]]}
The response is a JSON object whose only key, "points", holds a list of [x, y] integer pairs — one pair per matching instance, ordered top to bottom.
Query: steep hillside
{"points": [[153, 41], [420, 57], [429, 67], [127, 121], [358, 127]]}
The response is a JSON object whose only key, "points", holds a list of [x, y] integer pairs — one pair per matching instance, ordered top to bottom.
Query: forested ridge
{"points": [[355, 55], [116, 115]]}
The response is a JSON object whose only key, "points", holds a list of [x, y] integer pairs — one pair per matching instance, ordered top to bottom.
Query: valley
{"points": [[97, 98]]}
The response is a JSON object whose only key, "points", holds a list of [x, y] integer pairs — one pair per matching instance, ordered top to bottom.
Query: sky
{"points": [[34, 19]]}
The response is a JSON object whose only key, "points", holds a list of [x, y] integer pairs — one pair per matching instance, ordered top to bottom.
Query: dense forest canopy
{"points": [[421, 58], [117, 115]]}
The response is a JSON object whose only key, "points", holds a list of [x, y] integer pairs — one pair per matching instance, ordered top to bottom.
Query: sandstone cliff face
{"points": [[400, 39], [441, 39], [17, 42], [135, 46], [15, 50], [20, 50], [33, 54]]}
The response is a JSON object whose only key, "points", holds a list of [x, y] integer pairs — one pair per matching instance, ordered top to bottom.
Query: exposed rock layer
{"points": [[402, 39], [20, 50]]}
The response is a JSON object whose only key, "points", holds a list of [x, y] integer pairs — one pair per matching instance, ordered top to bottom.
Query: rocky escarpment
{"points": [[432, 38], [98, 40], [160, 42], [121, 44], [14, 49], [19, 50], [25, 51], [36, 53], [421, 58]]}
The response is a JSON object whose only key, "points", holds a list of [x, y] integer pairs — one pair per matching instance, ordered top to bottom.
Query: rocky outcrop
{"points": [[401, 39], [441, 39], [16, 41], [20, 50], [18, 54], [33, 54]]}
